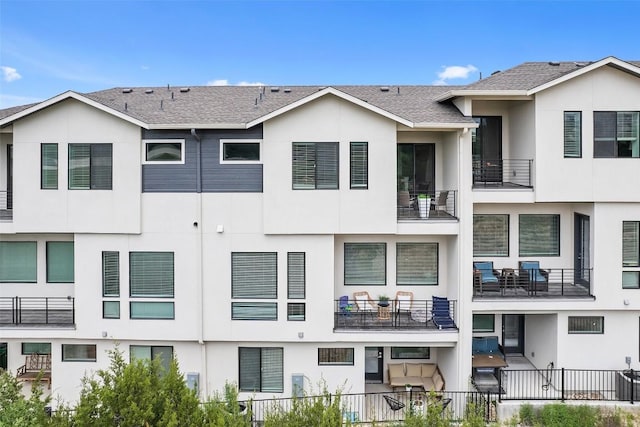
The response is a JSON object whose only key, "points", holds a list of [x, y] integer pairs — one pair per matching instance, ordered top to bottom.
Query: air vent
{"points": [[554, 63], [579, 64], [495, 72], [384, 88], [184, 89], [275, 89], [127, 90], [287, 90], [148, 91]]}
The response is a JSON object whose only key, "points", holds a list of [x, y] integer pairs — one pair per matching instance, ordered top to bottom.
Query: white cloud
{"points": [[144, 67], [454, 72], [10, 74], [225, 82]]}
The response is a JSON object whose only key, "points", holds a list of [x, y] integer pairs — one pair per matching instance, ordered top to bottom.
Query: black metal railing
{"points": [[502, 173], [6, 205], [427, 206], [543, 282], [30, 311], [389, 315], [569, 384], [374, 408]]}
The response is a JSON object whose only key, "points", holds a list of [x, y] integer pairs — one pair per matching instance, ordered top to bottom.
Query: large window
{"points": [[573, 134], [616, 134], [163, 151], [240, 151], [315, 165], [359, 165], [49, 166], [90, 166], [491, 235], [539, 235], [631, 254], [18, 262], [60, 262], [365, 263], [416, 263], [151, 274], [254, 275], [484, 323], [586, 325], [36, 348], [78, 352], [151, 352], [410, 352], [335, 356], [261, 369]]}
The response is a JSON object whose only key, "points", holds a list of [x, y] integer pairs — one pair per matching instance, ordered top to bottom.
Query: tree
{"points": [[15, 409]]}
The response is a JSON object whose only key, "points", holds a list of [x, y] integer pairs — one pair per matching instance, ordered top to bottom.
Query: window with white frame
{"points": [[573, 134], [616, 134], [163, 151], [240, 151], [315, 165], [90, 166], [491, 235], [539, 235], [631, 254], [18, 262], [365, 264], [417, 264], [254, 276], [586, 324], [78, 352], [335, 356], [261, 369]]}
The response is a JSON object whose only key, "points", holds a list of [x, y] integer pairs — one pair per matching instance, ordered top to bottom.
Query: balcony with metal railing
{"points": [[502, 173], [439, 205], [6, 206], [37, 311]]}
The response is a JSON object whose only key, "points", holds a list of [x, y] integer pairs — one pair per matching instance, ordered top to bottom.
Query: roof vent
{"points": [[554, 63], [580, 64], [495, 72], [384, 88], [184, 89], [275, 89], [127, 90], [287, 90], [148, 91]]}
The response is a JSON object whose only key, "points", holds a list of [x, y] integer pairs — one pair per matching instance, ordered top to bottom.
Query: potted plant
{"points": [[424, 204], [383, 300]]}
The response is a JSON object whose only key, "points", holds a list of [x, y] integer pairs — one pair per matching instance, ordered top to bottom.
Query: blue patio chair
{"points": [[485, 277], [533, 277], [344, 308], [440, 314]]}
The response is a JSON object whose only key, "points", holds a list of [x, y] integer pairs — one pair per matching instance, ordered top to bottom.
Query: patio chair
{"points": [[440, 204], [485, 277], [532, 277], [403, 302], [364, 304], [440, 314], [394, 404]]}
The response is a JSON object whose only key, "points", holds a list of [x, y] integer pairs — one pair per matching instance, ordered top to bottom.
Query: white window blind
{"points": [[572, 134], [49, 164], [315, 165], [359, 165], [491, 235], [539, 235], [631, 243], [18, 262], [365, 263], [417, 263], [110, 274], [151, 274], [254, 275], [296, 275], [261, 369]]}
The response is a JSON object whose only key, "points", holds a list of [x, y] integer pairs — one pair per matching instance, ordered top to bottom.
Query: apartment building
{"points": [[253, 232]]}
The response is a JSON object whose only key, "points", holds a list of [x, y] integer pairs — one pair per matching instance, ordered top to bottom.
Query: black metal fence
{"points": [[502, 172], [6, 205], [440, 205], [549, 283], [29, 311]]}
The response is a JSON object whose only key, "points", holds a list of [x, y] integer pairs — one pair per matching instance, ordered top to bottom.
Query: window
{"points": [[573, 134], [616, 134], [165, 151], [240, 151], [49, 165], [315, 165], [359, 165], [90, 166], [491, 235], [539, 235], [631, 254], [18, 262], [59, 262], [417, 263], [365, 264], [110, 274], [151, 274], [254, 275], [295, 275], [110, 309], [151, 310], [295, 311], [484, 323], [586, 325], [36, 348], [78, 352], [151, 352], [410, 352], [335, 356], [261, 369]]}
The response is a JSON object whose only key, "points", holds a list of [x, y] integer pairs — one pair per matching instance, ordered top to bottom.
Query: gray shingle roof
{"points": [[12, 110]]}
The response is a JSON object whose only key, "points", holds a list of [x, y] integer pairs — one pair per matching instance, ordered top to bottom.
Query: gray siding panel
{"points": [[215, 177]]}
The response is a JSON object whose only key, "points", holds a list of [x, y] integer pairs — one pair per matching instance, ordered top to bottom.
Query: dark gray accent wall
{"points": [[202, 170]]}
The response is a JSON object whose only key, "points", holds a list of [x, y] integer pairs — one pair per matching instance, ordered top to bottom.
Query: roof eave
{"points": [[480, 93], [163, 126], [444, 126]]}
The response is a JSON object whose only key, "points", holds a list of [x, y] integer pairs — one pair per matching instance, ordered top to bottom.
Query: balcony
{"points": [[502, 173], [440, 205], [6, 206], [521, 283], [37, 311], [389, 316]]}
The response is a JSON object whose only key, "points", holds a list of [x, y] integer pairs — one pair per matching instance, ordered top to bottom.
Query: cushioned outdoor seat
{"points": [[485, 277], [532, 277]]}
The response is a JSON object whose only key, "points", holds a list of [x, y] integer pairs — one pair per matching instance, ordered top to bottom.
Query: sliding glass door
{"points": [[417, 168]]}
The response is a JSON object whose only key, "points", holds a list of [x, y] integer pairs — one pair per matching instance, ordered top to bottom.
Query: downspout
{"points": [[204, 392]]}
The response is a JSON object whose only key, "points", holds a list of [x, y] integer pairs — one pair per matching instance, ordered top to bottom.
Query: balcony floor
{"points": [[555, 291], [372, 322]]}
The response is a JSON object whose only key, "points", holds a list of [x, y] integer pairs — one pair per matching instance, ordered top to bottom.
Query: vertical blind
{"points": [[572, 134], [49, 163], [315, 165], [359, 165], [491, 235], [539, 235], [631, 243], [18, 262], [60, 262], [365, 263], [417, 263], [110, 274], [151, 274], [254, 274], [296, 275], [261, 369]]}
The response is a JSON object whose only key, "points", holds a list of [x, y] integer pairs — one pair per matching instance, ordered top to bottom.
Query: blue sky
{"points": [[48, 47]]}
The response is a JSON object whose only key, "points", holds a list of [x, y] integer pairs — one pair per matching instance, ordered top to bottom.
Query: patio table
{"points": [[487, 361]]}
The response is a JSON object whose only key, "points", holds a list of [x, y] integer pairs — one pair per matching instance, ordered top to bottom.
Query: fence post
{"points": [[499, 385], [562, 385], [632, 386], [488, 409]]}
